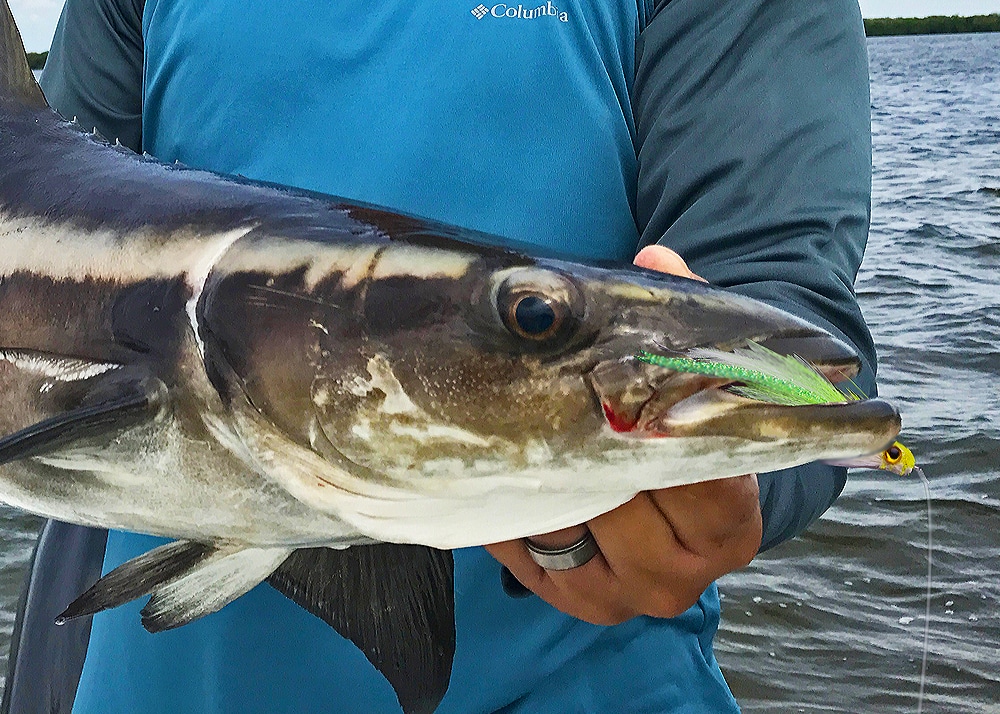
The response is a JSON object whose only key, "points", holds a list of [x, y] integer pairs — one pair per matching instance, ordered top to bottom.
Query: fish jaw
{"points": [[644, 400], [647, 403], [704, 418]]}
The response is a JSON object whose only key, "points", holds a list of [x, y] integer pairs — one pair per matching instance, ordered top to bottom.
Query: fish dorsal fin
{"points": [[17, 83], [395, 602]]}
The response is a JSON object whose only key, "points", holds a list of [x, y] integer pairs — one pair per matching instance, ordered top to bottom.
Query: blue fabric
{"points": [[519, 127], [522, 128], [519, 656]]}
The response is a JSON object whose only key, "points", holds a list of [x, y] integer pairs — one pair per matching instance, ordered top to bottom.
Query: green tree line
{"points": [[935, 25], [36, 60]]}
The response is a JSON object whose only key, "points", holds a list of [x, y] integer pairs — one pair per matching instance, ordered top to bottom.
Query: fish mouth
{"points": [[645, 401]]}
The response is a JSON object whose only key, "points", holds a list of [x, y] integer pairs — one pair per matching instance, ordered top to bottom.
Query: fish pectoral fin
{"points": [[85, 405], [137, 577], [220, 578], [395, 602]]}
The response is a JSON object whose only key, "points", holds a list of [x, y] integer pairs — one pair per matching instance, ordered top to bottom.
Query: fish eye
{"points": [[541, 307], [533, 317], [893, 454]]}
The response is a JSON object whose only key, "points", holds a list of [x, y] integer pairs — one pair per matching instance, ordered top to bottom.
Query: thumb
{"points": [[664, 260]]}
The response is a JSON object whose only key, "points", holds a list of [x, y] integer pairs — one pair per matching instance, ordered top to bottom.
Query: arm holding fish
{"points": [[753, 128], [778, 208]]}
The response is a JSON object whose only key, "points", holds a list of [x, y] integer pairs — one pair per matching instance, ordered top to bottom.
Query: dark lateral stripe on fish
{"points": [[400, 304], [380, 307], [112, 322]]}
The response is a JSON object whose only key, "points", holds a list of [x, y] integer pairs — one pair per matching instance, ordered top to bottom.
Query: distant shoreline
{"points": [[934, 25], [875, 27], [36, 60]]}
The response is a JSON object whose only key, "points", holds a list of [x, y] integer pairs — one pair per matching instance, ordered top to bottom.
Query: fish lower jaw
{"points": [[639, 402], [686, 414], [867, 425]]}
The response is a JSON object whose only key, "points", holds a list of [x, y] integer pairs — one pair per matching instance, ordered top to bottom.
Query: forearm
{"points": [[754, 144]]}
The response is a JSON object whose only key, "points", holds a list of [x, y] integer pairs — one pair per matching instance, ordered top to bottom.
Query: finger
{"points": [[664, 260], [716, 520], [561, 538], [656, 574], [588, 592]]}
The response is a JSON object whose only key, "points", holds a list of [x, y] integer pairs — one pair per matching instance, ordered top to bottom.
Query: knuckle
{"points": [[741, 536]]}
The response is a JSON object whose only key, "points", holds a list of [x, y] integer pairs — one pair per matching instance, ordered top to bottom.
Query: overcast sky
{"points": [[37, 18]]}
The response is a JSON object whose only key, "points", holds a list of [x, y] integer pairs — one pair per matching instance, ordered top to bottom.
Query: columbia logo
{"points": [[520, 12]]}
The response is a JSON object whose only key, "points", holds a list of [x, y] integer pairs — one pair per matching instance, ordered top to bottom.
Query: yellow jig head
{"points": [[898, 459]]}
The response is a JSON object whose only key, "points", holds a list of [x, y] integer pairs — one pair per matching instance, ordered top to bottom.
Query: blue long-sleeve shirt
{"points": [[736, 132]]}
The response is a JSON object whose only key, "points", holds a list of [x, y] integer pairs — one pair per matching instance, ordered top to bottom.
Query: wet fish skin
{"points": [[274, 321], [329, 395]]}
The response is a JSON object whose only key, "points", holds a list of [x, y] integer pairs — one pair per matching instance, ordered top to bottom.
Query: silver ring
{"points": [[572, 556]]}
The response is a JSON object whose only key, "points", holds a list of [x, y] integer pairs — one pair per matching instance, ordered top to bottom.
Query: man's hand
{"points": [[660, 550]]}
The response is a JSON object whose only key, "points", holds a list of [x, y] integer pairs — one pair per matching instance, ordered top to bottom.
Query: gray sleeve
{"points": [[94, 68], [753, 133], [46, 659]]}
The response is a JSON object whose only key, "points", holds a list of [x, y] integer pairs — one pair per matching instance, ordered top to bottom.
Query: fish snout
{"points": [[649, 400]]}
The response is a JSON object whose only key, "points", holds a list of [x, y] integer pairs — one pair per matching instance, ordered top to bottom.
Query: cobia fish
{"points": [[329, 396]]}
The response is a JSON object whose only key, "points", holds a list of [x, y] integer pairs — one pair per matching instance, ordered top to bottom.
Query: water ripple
{"points": [[833, 621]]}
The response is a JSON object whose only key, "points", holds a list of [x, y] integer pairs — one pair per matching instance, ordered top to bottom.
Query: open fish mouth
{"points": [[645, 401]]}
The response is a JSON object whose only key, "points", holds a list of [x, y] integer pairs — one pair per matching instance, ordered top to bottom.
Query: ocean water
{"points": [[833, 621]]}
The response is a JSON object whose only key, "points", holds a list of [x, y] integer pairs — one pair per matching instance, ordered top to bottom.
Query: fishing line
{"points": [[927, 603]]}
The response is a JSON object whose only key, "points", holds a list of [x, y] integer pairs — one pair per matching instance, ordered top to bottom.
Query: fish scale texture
{"points": [[474, 114]]}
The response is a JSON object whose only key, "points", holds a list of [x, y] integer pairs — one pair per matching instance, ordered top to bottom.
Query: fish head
{"points": [[544, 350], [452, 373]]}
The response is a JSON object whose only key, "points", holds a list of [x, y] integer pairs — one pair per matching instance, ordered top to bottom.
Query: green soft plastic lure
{"points": [[762, 374], [766, 376]]}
